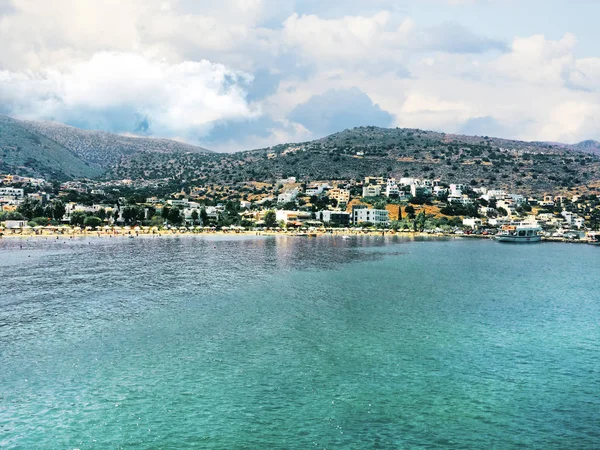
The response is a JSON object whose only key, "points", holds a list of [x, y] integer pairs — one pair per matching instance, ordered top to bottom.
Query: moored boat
{"points": [[522, 232], [593, 238]]}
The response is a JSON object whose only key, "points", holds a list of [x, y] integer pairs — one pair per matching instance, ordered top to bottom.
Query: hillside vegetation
{"points": [[58, 151], [27, 152], [353, 154]]}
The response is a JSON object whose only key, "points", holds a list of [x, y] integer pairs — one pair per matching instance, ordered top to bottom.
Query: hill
{"points": [[588, 147], [106, 149], [56, 151], [30, 153], [528, 167]]}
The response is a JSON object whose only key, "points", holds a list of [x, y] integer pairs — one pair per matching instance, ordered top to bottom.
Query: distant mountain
{"points": [[588, 146], [106, 149], [59, 151], [27, 152]]}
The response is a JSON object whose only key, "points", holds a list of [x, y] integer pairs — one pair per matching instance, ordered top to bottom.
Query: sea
{"points": [[250, 342]]}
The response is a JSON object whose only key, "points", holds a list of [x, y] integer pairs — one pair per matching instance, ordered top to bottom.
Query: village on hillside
{"points": [[374, 203]]}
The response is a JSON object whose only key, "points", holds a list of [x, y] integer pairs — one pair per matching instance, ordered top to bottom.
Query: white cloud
{"points": [[107, 63], [178, 99]]}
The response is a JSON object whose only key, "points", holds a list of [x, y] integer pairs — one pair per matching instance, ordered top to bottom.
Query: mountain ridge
{"points": [[348, 154]]}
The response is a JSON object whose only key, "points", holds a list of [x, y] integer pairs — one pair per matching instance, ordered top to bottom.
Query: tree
{"points": [[380, 204], [31, 208], [58, 210], [130, 214], [12, 215], [175, 216], [195, 216], [204, 217], [78, 218], [270, 219], [43, 221], [92, 221], [157, 221], [420, 221]]}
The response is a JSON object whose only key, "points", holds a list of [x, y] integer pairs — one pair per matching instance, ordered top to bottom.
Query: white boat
{"points": [[522, 232]]}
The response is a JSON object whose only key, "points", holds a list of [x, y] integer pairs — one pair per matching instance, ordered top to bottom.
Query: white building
{"points": [[289, 180], [406, 181], [391, 188], [457, 188], [316, 189], [371, 190], [417, 190], [15, 193], [494, 194], [288, 196], [459, 198], [518, 199], [182, 203], [508, 206], [374, 216], [293, 217], [334, 217], [473, 222], [12, 224]]}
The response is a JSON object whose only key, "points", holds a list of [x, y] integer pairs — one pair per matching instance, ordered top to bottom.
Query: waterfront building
{"points": [[374, 216], [292, 217], [340, 218], [473, 222], [13, 224]]}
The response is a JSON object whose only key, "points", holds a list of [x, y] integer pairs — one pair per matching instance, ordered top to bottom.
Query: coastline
{"points": [[130, 234]]}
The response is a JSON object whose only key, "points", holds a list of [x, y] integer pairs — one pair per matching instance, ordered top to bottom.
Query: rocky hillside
{"points": [[589, 146], [106, 149], [54, 150], [58, 151], [27, 152], [529, 167]]}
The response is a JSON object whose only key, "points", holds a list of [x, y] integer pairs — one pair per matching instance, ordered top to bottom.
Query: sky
{"points": [[241, 74]]}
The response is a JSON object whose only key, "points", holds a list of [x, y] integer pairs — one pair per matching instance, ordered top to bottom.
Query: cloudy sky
{"points": [[238, 74]]}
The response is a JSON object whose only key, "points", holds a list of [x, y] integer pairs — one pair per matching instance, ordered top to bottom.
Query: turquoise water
{"points": [[298, 343]]}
